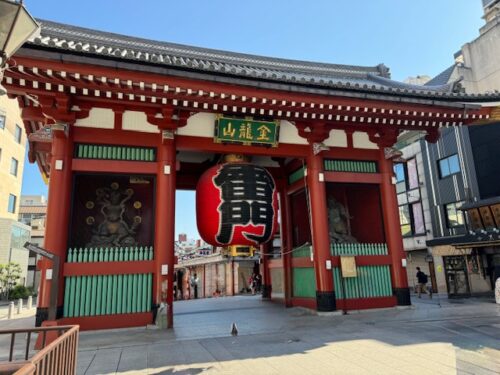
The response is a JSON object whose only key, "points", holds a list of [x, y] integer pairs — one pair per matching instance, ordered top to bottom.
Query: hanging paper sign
{"points": [[246, 131], [236, 204], [348, 266]]}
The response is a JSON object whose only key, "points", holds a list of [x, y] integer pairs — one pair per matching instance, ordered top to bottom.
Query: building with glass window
{"points": [[12, 149], [12, 152], [459, 172], [456, 173], [32, 212]]}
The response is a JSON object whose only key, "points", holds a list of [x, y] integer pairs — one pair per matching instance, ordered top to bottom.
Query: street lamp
{"points": [[16, 27]]}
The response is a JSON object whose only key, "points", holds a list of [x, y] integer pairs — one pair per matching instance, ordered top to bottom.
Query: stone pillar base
{"points": [[266, 291], [402, 296], [325, 301]]}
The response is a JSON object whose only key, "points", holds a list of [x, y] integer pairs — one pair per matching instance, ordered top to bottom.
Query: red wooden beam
{"points": [[114, 137], [186, 143], [113, 166], [348, 177], [302, 262], [276, 263], [91, 323]]}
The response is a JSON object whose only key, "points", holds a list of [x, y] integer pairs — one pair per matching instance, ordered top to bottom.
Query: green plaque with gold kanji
{"points": [[246, 131]]}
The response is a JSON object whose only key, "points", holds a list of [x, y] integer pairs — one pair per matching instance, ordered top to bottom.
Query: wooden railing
{"points": [[56, 358]]}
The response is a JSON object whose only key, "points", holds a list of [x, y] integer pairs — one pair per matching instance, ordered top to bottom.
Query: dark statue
{"points": [[338, 220], [113, 230]]}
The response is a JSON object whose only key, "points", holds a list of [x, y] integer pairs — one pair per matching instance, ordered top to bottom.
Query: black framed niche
{"points": [[111, 210]]}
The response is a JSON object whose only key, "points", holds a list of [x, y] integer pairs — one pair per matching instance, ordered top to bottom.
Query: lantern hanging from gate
{"points": [[236, 204]]}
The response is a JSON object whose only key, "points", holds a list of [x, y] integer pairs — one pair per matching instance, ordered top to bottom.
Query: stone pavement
{"points": [[433, 337]]}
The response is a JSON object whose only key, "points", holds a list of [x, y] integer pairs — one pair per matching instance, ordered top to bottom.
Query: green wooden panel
{"points": [[112, 152], [356, 166], [296, 175], [358, 249], [301, 252], [372, 281], [304, 282], [114, 286], [149, 291], [88, 293], [124, 293], [129, 293], [139, 293], [109, 294], [119, 294], [134, 294], [71, 297]]}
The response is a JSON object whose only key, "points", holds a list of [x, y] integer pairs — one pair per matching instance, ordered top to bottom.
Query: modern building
{"points": [[476, 66], [134, 120], [12, 153], [457, 172], [464, 176], [32, 212]]}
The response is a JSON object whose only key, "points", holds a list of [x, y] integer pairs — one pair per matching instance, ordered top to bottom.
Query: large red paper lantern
{"points": [[236, 204]]}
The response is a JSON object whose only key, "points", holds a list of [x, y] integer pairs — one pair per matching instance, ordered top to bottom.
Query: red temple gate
{"points": [[117, 124]]}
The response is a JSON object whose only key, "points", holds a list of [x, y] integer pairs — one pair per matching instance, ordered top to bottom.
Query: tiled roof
{"points": [[216, 63], [442, 78], [32, 209]]}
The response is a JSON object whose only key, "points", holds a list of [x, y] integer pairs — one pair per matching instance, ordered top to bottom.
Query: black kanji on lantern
{"points": [[247, 198]]}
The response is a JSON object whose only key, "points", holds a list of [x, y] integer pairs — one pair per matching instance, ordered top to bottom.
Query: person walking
{"points": [[422, 280], [194, 284]]}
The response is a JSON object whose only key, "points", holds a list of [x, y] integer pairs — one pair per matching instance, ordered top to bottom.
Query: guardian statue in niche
{"points": [[338, 220], [113, 230]]}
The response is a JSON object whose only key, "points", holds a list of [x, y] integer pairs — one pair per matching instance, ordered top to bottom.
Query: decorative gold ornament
{"points": [[236, 158], [115, 185], [129, 191], [90, 205], [137, 205], [137, 219], [90, 220]]}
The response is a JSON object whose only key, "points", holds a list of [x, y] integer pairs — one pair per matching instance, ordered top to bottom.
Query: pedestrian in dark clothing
{"points": [[422, 280]]}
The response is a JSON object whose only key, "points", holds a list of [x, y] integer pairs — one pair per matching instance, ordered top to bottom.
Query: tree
{"points": [[9, 275]]}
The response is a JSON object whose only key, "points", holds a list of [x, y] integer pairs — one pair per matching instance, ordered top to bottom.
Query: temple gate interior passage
{"points": [[117, 124]]}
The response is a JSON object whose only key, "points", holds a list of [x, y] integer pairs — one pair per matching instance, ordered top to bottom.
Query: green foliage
{"points": [[9, 275], [20, 291]]}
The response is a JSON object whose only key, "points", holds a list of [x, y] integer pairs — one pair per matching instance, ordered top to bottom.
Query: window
{"points": [[2, 121], [18, 134], [411, 166], [449, 166], [13, 167], [399, 171], [12, 203], [454, 217], [418, 218], [411, 219], [405, 220], [19, 236]]}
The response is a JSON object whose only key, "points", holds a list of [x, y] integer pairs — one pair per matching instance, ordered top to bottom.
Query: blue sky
{"points": [[410, 37]]}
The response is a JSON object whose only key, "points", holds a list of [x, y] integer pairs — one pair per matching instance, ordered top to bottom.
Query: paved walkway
{"points": [[432, 337]]}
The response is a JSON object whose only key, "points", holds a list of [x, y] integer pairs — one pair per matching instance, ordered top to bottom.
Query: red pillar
{"points": [[57, 221], [165, 227], [393, 235], [286, 242], [266, 272], [325, 294]]}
